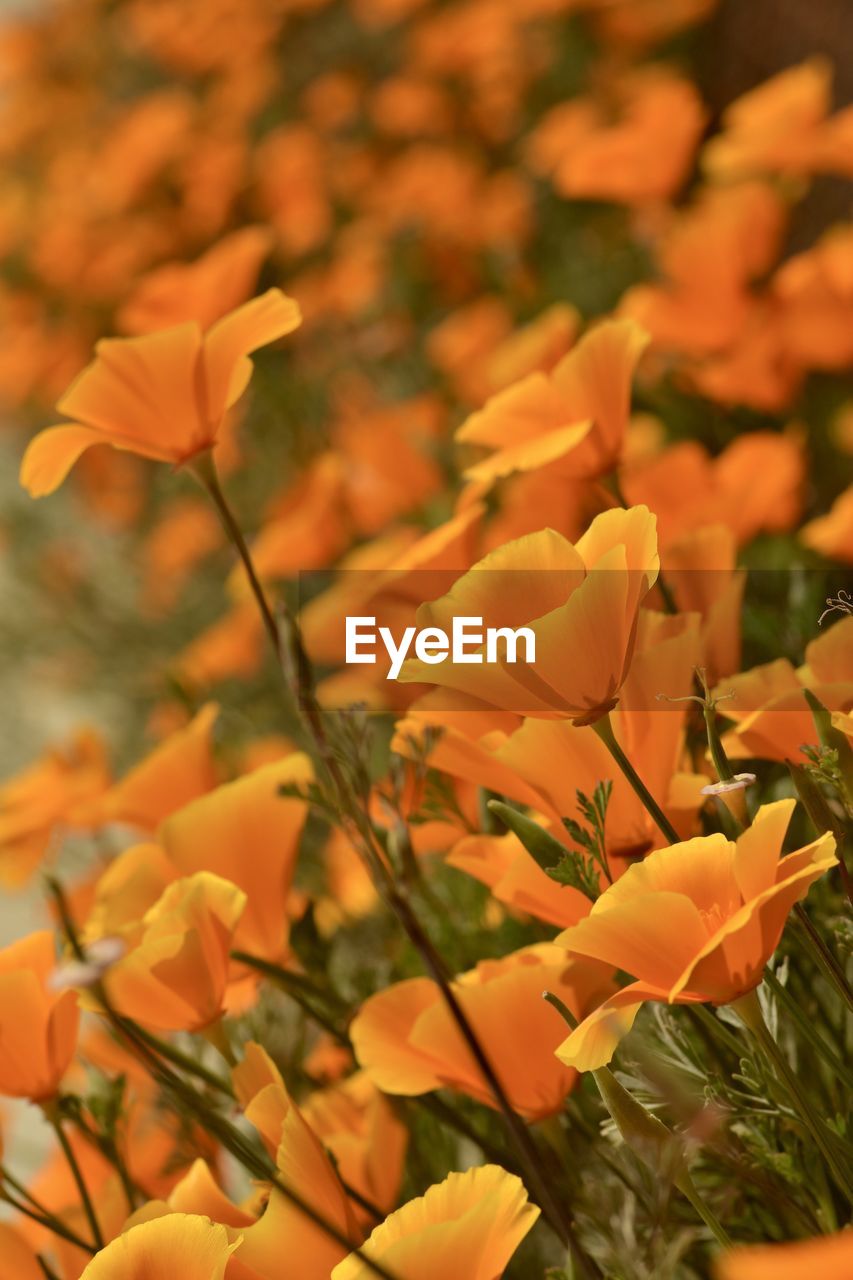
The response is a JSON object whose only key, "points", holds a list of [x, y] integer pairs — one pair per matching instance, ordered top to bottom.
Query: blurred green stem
{"points": [[824, 957], [51, 1113]]}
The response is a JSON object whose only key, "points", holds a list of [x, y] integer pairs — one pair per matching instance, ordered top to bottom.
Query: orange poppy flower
{"points": [[783, 126], [642, 156], [707, 254], [203, 291], [815, 296], [463, 345], [541, 345], [164, 395], [576, 415], [385, 460], [753, 486], [305, 526], [186, 533], [832, 534], [699, 569], [584, 599], [232, 647], [771, 715], [541, 764], [175, 772], [58, 790], [248, 833], [126, 890], [724, 905], [175, 977], [38, 1026], [407, 1042], [364, 1134], [302, 1164], [469, 1225], [177, 1244], [830, 1257], [19, 1260]]}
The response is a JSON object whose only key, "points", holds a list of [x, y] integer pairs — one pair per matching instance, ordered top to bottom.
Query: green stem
{"points": [[204, 469], [604, 729], [824, 956], [748, 1007], [809, 1031], [180, 1059], [55, 1120], [648, 1137], [108, 1148], [687, 1187], [44, 1219]]}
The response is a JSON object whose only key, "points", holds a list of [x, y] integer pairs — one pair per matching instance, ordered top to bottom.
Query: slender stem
{"points": [[204, 470], [288, 648], [604, 729], [824, 956], [298, 990], [749, 1009], [809, 1030], [183, 1060], [55, 1120], [108, 1148], [687, 1187], [44, 1219], [47, 1270]]}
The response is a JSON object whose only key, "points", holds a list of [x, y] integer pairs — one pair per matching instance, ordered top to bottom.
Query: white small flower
{"points": [[738, 783], [85, 973]]}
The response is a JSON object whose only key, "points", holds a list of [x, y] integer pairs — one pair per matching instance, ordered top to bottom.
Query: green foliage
{"points": [[583, 868]]}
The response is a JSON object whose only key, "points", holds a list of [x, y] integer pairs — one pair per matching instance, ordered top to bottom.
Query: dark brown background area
{"points": [[750, 40]]}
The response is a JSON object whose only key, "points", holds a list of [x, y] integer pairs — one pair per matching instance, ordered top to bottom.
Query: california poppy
{"points": [[782, 126], [640, 156], [203, 291], [163, 395], [575, 415], [583, 599], [772, 718], [179, 769], [58, 790], [248, 833], [724, 905], [175, 977], [38, 1026], [408, 1043], [364, 1134], [302, 1164], [469, 1225], [178, 1243], [831, 1257]]}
